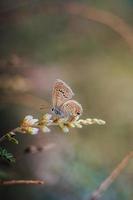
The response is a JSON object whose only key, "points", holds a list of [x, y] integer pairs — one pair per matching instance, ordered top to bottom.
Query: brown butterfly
{"points": [[63, 105]]}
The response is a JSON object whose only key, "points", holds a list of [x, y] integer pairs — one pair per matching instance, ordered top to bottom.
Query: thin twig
{"points": [[110, 179], [22, 182]]}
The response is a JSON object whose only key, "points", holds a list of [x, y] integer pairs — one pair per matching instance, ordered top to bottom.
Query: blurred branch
{"points": [[88, 12], [104, 17], [35, 149], [111, 178], [22, 182]]}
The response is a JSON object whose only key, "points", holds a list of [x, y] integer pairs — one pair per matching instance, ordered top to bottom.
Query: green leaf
{"points": [[10, 137], [14, 140], [4, 154]]}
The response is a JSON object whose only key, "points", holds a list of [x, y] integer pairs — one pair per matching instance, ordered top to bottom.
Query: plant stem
{"points": [[111, 178], [22, 182]]}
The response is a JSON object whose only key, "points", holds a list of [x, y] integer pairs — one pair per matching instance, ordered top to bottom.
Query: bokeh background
{"points": [[89, 45]]}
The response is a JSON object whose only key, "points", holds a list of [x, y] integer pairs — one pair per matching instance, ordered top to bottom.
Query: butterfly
{"points": [[63, 104]]}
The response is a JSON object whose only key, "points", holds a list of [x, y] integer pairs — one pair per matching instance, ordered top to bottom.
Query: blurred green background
{"points": [[44, 40]]}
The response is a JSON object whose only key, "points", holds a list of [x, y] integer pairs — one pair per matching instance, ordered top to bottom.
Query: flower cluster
{"points": [[29, 124], [33, 126]]}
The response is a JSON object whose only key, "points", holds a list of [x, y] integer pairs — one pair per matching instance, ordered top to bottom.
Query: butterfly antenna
{"points": [[43, 107]]}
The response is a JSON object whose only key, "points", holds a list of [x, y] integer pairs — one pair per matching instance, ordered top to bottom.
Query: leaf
{"points": [[10, 137], [14, 140], [4, 154]]}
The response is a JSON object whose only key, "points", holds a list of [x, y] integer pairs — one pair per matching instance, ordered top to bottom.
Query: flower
{"points": [[47, 117], [30, 119], [44, 121], [90, 121], [64, 124], [28, 125], [32, 126], [45, 129], [33, 131]]}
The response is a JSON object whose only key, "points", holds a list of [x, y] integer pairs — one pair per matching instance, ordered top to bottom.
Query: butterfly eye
{"points": [[52, 109], [78, 113]]}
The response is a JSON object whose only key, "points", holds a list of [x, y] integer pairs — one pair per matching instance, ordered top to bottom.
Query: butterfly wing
{"points": [[61, 93], [72, 109]]}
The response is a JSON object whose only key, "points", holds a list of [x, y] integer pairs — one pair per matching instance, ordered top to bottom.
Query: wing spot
{"points": [[62, 93]]}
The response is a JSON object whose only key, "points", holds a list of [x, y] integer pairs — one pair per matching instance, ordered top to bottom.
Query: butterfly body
{"points": [[63, 105], [57, 111]]}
